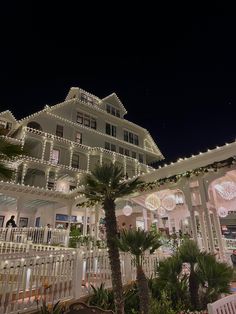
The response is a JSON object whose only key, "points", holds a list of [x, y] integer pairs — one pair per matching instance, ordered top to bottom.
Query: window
{"points": [[88, 99], [108, 108], [113, 110], [80, 117], [86, 120], [93, 123], [3, 124], [9, 125], [110, 129], [59, 130], [126, 136], [78, 137], [131, 137], [136, 142], [107, 145], [113, 148], [121, 150], [126, 152], [134, 155], [55, 156], [140, 158], [75, 161]]}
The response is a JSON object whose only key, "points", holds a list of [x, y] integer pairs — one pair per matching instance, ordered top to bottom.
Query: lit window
{"points": [[59, 130], [78, 137], [55, 156]]}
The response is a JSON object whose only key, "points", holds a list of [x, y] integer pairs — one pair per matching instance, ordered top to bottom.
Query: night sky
{"points": [[178, 82]]}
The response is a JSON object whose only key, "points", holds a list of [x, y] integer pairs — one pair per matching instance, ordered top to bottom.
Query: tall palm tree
{"points": [[8, 152], [104, 185], [137, 242]]}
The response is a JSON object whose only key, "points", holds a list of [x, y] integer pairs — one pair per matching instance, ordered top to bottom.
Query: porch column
{"points": [[43, 148], [50, 151], [71, 155], [100, 158], [113, 158], [88, 162], [125, 166], [135, 167], [24, 171], [47, 178], [55, 179], [204, 198], [188, 200], [19, 207], [69, 212], [145, 219], [203, 229], [218, 232]]}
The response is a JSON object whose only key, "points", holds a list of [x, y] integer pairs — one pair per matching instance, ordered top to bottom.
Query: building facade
{"points": [[64, 142]]}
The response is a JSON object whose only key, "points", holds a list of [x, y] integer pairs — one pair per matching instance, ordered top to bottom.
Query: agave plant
{"points": [[57, 308]]}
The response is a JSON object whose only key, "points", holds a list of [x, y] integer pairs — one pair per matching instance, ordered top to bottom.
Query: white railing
{"points": [[36, 235], [28, 278], [226, 305]]}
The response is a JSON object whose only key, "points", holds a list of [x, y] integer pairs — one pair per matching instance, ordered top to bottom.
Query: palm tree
{"points": [[8, 152], [104, 185], [137, 242]]}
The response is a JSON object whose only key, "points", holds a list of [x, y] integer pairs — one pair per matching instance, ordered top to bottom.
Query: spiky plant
{"points": [[8, 152], [104, 185], [137, 242]]}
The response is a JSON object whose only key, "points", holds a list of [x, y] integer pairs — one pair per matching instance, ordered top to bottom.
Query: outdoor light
{"points": [[227, 190], [152, 202], [169, 202], [127, 210], [161, 211], [222, 212]]}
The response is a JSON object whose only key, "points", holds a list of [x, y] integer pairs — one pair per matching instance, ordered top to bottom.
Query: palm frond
{"points": [[9, 150], [5, 172]]}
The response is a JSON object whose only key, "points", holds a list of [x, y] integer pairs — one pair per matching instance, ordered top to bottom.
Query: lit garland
{"points": [[188, 174]]}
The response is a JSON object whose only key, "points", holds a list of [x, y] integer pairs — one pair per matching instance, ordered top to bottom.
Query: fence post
{"points": [[8, 234], [45, 235], [67, 237], [78, 274]]}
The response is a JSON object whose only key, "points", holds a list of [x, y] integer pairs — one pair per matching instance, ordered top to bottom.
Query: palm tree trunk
{"points": [[114, 256], [193, 288], [143, 290]]}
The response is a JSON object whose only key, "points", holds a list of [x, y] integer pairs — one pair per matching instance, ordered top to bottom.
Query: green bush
{"points": [[162, 306]]}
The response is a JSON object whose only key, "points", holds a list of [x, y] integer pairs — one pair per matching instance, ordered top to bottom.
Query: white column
{"points": [[23, 137], [43, 148], [50, 150], [71, 155], [100, 158], [113, 158], [88, 162], [124, 165], [135, 167], [24, 170], [16, 174], [47, 178], [55, 179], [204, 199], [188, 201], [19, 207], [145, 219], [203, 229], [218, 233]]}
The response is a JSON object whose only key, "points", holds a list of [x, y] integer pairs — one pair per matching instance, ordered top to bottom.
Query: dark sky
{"points": [[176, 77]]}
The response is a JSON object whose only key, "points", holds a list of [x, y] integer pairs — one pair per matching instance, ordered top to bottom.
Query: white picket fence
{"points": [[37, 235], [29, 277]]}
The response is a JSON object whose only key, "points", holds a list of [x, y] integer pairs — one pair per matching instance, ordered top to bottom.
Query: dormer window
{"points": [[88, 99], [112, 110]]}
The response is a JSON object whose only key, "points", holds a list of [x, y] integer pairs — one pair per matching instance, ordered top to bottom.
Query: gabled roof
{"points": [[115, 99], [9, 113]]}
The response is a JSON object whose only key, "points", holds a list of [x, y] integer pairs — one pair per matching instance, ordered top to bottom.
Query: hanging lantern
{"points": [[227, 190], [152, 202], [169, 202], [127, 210], [222, 212]]}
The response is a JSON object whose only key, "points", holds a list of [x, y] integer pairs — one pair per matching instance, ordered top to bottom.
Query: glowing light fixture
{"points": [[227, 190], [152, 202], [169, 202], [127, 210], [222, 212]]}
